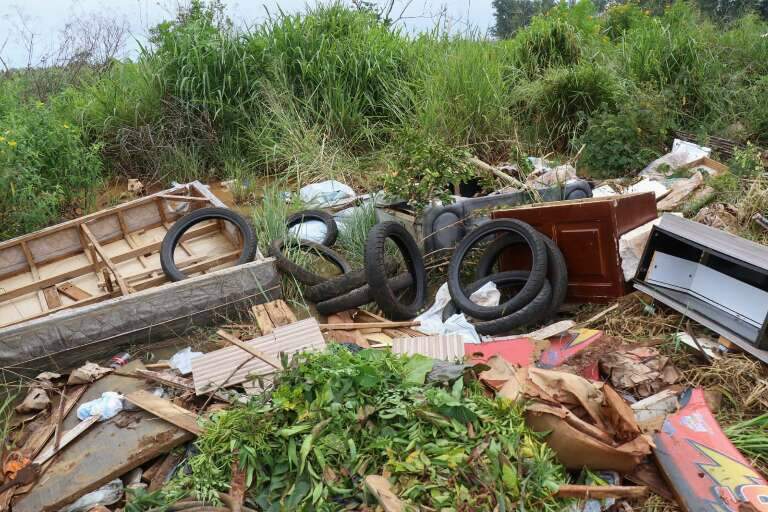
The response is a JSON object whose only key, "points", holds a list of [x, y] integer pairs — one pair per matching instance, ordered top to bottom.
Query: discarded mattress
{"points": [[85, 286]]}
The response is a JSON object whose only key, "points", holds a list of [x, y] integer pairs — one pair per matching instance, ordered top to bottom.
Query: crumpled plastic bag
{"points": [[326, 193], [312, 230], [432, 319], [182, 360], [107, 406], [108, 494]]}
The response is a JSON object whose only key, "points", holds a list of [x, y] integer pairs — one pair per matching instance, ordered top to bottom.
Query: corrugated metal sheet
{"points": [[448, 347], [213, 368]]}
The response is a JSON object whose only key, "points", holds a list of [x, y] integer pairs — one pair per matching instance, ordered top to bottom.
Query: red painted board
{"points": [[563, 347], [517, 351], [705, 471]]}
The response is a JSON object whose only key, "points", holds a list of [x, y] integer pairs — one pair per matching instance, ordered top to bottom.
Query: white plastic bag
{"points": [[326, 193], [312, 230], [432, 319], [182, 360], [107, 406], [108, 494]]}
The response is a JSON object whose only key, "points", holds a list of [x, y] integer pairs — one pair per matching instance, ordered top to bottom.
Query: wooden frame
{"points": [[109, 253]]}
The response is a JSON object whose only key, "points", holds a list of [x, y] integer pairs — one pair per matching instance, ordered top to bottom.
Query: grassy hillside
{"points": [[335, 92]]}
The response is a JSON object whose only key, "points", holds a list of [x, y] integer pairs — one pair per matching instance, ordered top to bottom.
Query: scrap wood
{"points": [[73, 292], [368, 317], [597, 317], [263, 321], [367, 325], [550, 330], [256, 353], [175, 381], [166, 410], [66, 438], [37, 440], [164, 469], [381, 489], [601, 491]]}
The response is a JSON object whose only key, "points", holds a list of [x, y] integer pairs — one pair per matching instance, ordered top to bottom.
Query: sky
{"points": [[42, 21]]}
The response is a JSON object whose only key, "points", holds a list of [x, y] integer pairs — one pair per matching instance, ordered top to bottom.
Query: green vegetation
{"points": [[335, 92], [335, 417]]}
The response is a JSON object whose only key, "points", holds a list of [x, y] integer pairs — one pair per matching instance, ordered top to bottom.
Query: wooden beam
{"points": [[170, 197], [105, 259], [191, 269], [35, 275], [73, 292], [85, 302], [261, 316], [369, 325], [256, 353], [166, 410], [66, 438], [601, 491]]}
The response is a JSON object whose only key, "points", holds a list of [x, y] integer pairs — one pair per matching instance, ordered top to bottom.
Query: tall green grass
{"points": [[329, 93]]}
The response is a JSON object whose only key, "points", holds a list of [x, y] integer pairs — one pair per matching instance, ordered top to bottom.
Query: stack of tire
{"points": [[377, 282], [542, 288]]}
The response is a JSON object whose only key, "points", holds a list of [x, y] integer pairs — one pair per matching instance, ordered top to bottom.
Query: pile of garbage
{"points": [[471, 363]]}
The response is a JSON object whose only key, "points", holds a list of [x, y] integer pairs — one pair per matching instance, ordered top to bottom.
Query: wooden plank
{"points": [[170, 197], [105, 259], [191, 269], [72, 291], [52, 297], [41, 298], [91, 300], [278, 313], [360, 315], [261, 316], [369, 325], [274, 362], [175, 381], [166, 410], [66, 438], [37, 440], [112, 450], [160, 475], [601, 491]]}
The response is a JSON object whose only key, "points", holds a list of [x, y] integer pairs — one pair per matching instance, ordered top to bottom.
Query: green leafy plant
{"points": [[425, 168], [335, 417]]}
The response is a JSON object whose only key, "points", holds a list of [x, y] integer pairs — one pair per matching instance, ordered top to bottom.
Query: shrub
{"points": [[620, 18], [545, 44], [561, 102], [621, 143], [44, 166], [424, 169]]}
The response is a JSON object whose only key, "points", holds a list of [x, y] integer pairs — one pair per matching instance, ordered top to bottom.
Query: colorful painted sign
{"points": [[706, 472]]}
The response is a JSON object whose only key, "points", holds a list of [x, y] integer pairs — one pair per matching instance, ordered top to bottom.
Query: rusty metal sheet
{"points": [[587, 231], [447, 347], [214, 368], [705, 471]]}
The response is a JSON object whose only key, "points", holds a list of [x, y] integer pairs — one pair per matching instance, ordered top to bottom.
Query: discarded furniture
{"points": [[440, 228], [587, 232], [716, 278], [91, 284]]}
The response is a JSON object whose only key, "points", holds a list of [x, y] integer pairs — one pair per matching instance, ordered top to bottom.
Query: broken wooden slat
{"points": [[170, 197], [105, 258], [191, 269], [73, 292], [52, 297], [279, 313], [360, 315], [261, 316], [380, 325], [256, 353], [175, 381], [166, 410], [66, 438], [37, 440], [162, 472], [601, 491]]}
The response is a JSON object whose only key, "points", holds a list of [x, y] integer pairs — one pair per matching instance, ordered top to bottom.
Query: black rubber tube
{"points": [[181, 226], [331, 229], [375, 258], [557, 271], [301, 274], [531, 287], [361, 296]]}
